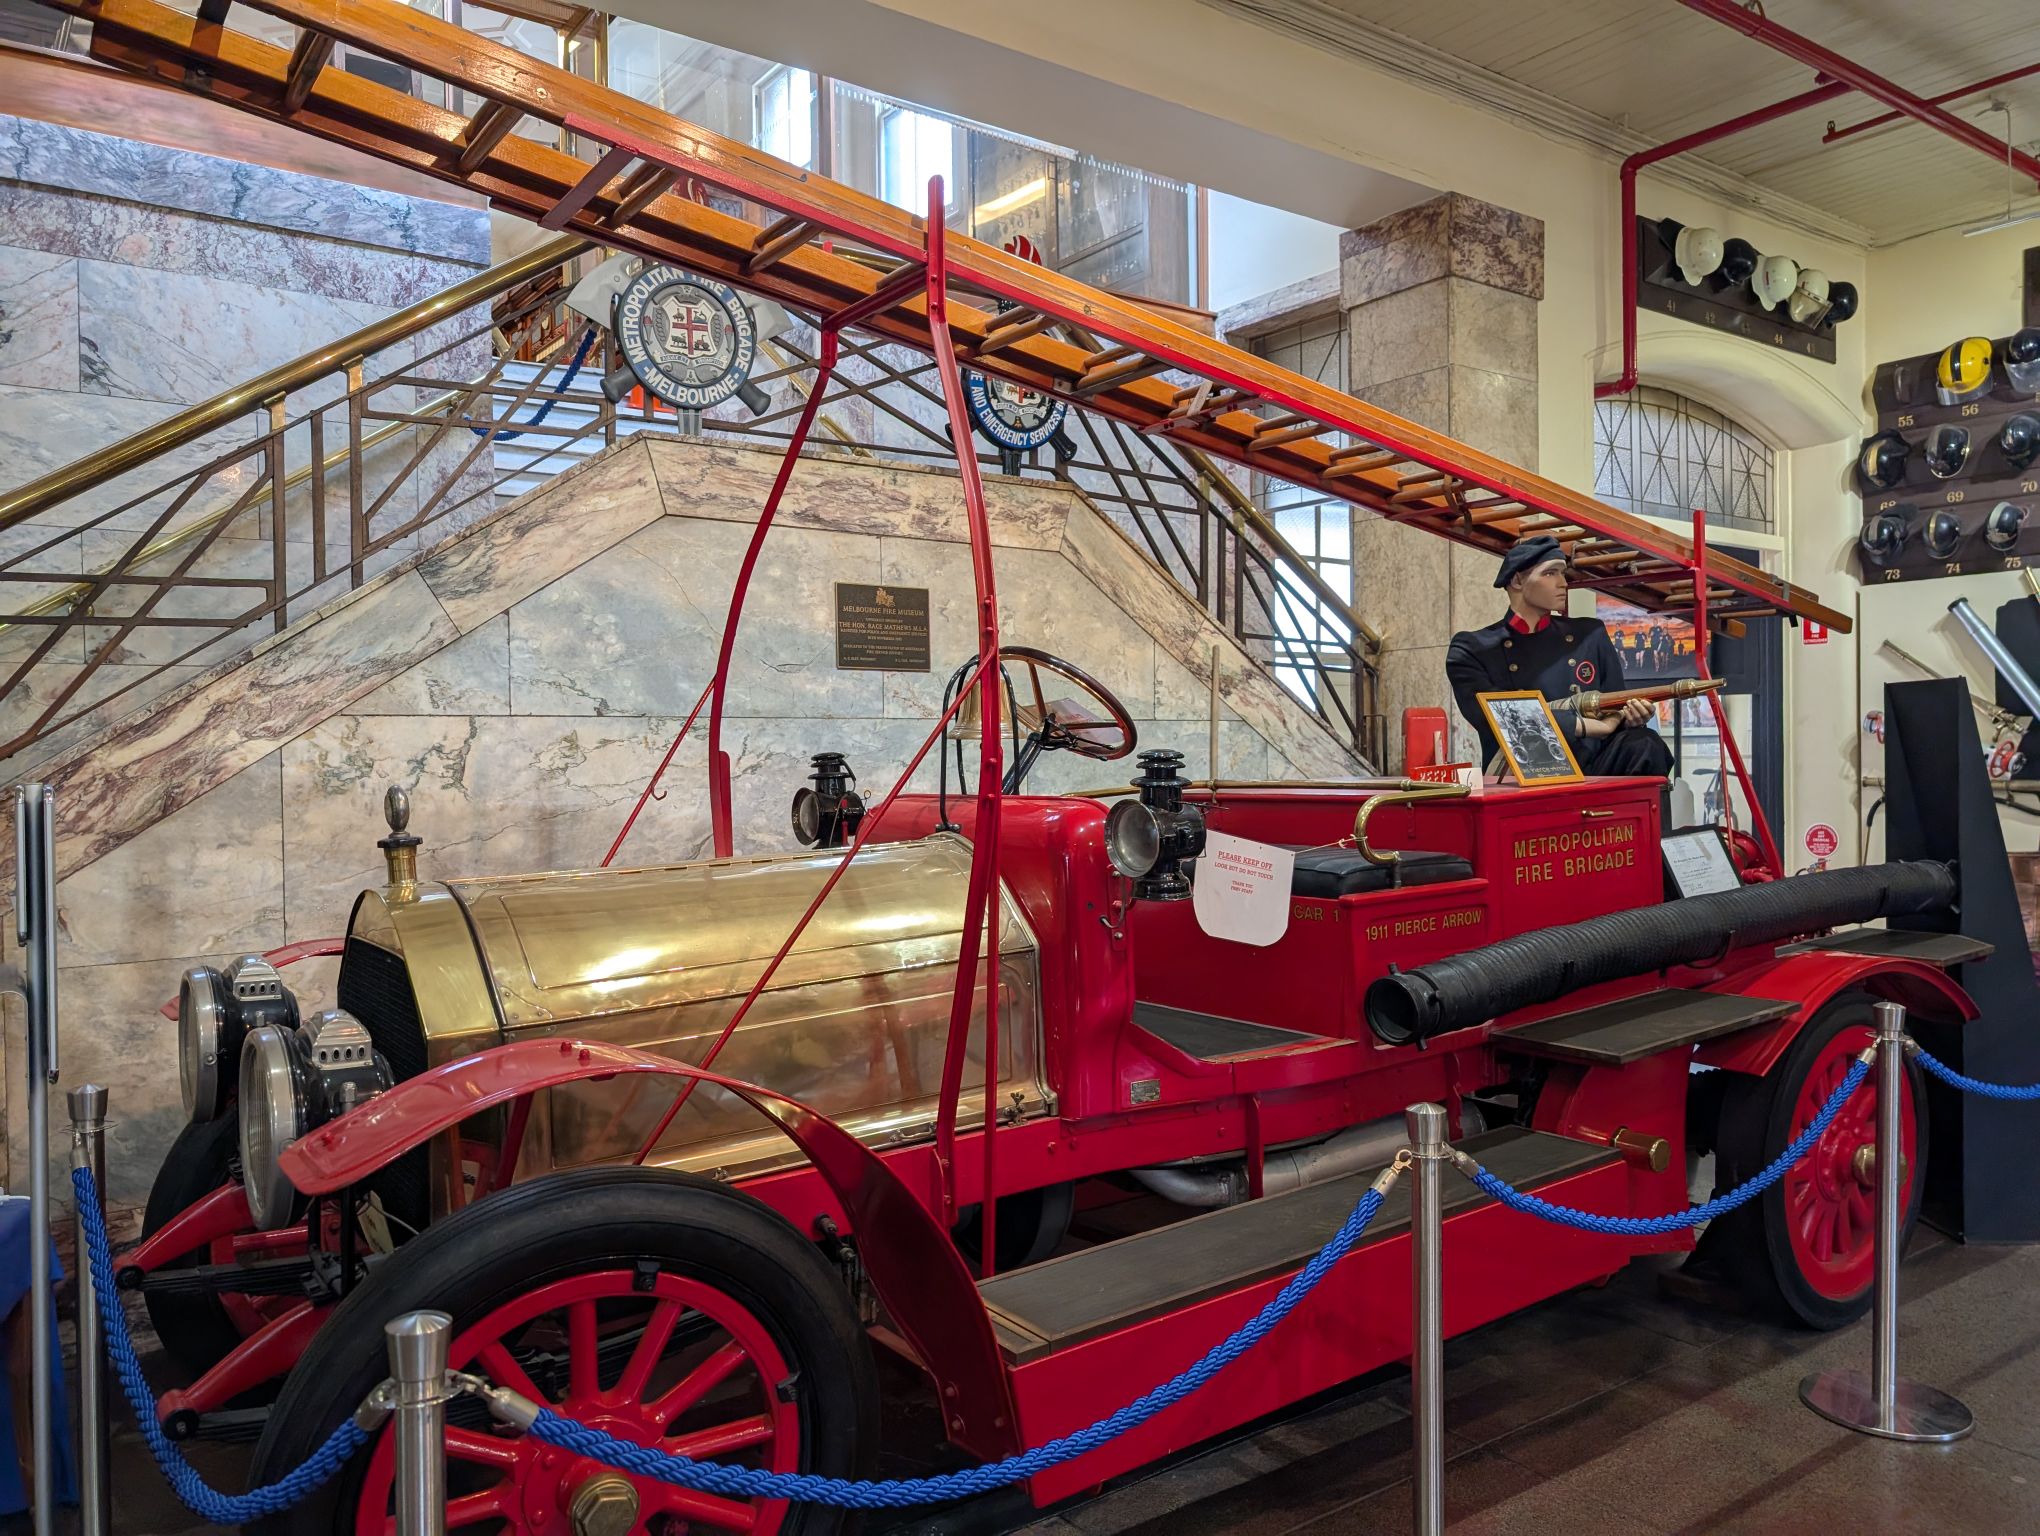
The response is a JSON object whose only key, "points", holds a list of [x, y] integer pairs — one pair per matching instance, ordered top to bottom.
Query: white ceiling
{"points": [[1624, 74]]}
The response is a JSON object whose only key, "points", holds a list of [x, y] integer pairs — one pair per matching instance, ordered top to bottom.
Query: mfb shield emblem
{"points": [[688, 339], [1013, 416]]}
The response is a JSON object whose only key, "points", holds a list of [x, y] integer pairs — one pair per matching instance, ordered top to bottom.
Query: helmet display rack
{"points": [[847, 260], [1950, 480]]}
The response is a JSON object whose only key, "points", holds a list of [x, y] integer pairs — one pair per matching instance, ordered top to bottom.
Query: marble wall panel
{"points": [[52, 155], [134, 234], [38, 319], [186, 337], [1496, 413], [45, 430], [730, 481], [542, 536], [1401, 582], [1475, 599], [1043, 603], [636, 630], [470, 677], [108, 692], [1181, 694], [148, 766], [207, 879]]}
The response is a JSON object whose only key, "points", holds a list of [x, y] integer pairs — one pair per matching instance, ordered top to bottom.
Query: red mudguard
{"points": [[1813, 977], [912, 1263]]}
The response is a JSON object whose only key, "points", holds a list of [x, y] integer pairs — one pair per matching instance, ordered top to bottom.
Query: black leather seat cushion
{"points": [[1326, 873]]}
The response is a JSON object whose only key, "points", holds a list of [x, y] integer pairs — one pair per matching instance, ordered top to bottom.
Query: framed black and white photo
{"points": [[1535, 748]]}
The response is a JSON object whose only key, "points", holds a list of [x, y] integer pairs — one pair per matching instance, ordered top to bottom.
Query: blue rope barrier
{"points": [[559, 389], [1977, 1086], [1651, 1226], [902, 1493], [208, 1504]]}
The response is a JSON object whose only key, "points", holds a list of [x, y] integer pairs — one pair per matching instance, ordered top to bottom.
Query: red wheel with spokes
{"points": [[1807, 1244], [666, 1310], [199, 1330]]}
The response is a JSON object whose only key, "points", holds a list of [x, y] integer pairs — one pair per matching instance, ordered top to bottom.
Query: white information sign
{"points": [[1699, 863], [1242, 889]]}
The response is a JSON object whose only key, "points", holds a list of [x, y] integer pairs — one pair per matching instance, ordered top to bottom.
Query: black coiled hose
{"points": [[1542, 966]]}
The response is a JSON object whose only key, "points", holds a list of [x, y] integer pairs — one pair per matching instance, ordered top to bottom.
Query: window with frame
{"points": [[784, 106], [912, 146], [1662, 455], [1317, 526]]}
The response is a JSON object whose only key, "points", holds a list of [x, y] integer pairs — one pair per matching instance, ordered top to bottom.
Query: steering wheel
{"points": [[1060, 723]]}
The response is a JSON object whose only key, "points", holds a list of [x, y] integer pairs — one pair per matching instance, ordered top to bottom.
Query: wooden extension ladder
{"points": [[823, 249]]}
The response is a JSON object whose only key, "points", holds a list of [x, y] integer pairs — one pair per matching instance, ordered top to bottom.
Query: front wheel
{"points": [[1806, 1246], [665, 1309]]}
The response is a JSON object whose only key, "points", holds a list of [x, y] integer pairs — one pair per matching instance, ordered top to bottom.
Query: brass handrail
{"points": [[192, 423]]}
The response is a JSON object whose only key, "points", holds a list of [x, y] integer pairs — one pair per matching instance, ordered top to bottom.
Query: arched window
{"points": [[1666, 456]]}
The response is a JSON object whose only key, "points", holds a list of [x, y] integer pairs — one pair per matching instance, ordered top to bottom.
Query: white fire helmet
{"points": [[1698, 252], [1776, 277], [1809, 299]]}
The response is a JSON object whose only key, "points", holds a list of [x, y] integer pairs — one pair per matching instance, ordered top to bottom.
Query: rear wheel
{"points": [[1806, 1245], [665, 1309], [200, 1330]]}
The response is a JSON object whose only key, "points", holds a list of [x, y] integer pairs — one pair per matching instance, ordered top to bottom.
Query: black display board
{"points": [[1938, 805]]}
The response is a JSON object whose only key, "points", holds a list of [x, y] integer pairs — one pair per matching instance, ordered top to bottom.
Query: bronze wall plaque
{"points": [[881, 628]]}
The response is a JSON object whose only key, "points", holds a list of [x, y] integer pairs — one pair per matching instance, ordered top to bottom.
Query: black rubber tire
{"points": [[552, 1228], [1751, 1245], [195, 1330]]}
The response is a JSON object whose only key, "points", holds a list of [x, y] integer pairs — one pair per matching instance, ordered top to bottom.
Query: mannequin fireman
{"points": [[1535, 646]]}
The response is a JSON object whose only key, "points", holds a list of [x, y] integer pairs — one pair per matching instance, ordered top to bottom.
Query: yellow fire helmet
{"points": [[1964, 371]]}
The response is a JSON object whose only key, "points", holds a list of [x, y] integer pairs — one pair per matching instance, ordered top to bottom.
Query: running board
{"points": [[1941, 949], [1632, 1028], [1049, 1307]]}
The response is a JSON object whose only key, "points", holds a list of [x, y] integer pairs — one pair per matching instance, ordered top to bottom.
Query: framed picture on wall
{"points": [[1653, 647], [1535, 748]]}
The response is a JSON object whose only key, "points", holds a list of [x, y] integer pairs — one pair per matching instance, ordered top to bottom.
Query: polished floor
{"points": [[1605, 1412]]}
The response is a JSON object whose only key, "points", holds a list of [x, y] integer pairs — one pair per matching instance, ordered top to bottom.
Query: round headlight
{"points": [[1133, 838], [201, 1019], [272, 1117]]}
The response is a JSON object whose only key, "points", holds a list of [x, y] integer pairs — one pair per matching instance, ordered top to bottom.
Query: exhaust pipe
{"points": [[1210, 1186]]}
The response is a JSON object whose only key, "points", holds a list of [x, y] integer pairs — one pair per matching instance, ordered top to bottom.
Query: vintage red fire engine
{"points": [[682, 1149]]}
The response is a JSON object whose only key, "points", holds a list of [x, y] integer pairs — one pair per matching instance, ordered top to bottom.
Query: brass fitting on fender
{"points": [[1641, 1151]]}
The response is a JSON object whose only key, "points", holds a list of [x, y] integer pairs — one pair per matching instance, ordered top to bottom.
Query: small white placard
{"points": [[1698, 862], [1242, 890]]}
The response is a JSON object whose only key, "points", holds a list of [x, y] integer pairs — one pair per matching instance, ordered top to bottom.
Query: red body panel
{"points": [[1357, 1320]]}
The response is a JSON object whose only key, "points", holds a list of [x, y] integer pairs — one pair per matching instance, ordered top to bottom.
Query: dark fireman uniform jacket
{"points": [[1560, 656]]}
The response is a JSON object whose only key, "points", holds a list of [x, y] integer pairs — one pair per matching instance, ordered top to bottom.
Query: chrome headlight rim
{"points": [[1133, 838], [201, 1020], [272, 1118]]}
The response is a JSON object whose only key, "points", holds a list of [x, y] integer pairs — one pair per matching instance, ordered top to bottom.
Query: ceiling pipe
{"points": [[1793, 45], [1828, 90], [1835, 135]]}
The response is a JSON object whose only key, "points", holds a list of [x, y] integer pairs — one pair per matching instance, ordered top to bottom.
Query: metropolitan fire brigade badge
{"points": [[688, 339], [1013, 416]]}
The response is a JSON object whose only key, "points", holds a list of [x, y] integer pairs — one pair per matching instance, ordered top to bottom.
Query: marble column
{"points": [[1440, 302]]}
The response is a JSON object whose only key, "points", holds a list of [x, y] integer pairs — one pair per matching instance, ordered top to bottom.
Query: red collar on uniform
{"points": [[1516, 623]]}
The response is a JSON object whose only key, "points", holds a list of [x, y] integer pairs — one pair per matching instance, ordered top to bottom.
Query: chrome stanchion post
{"points": [[35, 920], [1426, 1124], [418, 1343], [1882, 1403], [95, 1491]]}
